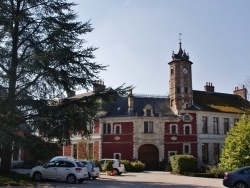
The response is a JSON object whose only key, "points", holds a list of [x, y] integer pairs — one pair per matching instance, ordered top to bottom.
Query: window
{"points": [[172, 71], [186, 89], [178, 90], [148, 112], [236, 121], [204, 125], [216, 125], [226, 125], [148, 127], [106, 128], [117, 129], [173, 129], [187, 130], [186, 148], [205, 152], [171, 153], [216, 153], [15, 154], [117, 156]]}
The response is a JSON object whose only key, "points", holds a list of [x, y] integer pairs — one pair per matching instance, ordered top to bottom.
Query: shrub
{"points": [[183, 163], [128, 165], [108, 166], [138, 166], [216, 171]]}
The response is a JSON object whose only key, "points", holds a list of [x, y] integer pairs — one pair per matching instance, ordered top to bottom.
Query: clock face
{"points": [[185, 70]]}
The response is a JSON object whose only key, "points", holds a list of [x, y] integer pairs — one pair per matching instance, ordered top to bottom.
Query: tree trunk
{"points": [[6, 159]]}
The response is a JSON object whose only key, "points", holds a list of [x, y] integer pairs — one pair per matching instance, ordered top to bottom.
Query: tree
{"points": [[42, 56], [236, 151]]}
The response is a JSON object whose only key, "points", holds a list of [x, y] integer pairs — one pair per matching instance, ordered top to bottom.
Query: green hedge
{"points": [[183, 163], [136, 166]]}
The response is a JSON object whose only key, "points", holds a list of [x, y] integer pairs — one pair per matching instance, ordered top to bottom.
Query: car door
{"points": [[64, 168], [50, 170]]}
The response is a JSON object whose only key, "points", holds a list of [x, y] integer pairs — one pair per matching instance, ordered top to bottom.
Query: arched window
{"points": [[117, 129]]}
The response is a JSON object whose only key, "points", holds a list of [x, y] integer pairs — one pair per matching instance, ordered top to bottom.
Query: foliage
{"points": [[42, 56], [236, 150], [183, 163], [128, 165], [108, 166], [135, 166], [138, 166], [216, 171], [16, 179]]}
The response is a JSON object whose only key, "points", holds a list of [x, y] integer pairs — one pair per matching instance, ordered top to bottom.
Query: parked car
{"points": [[118, 167], [93, 169], [61, 170], [239, 178]]}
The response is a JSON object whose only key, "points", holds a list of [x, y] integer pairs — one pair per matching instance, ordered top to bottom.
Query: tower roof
{"points": [[181, 55]]}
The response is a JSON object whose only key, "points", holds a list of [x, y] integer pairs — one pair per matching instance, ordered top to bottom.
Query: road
{"points": [[141, 180]]}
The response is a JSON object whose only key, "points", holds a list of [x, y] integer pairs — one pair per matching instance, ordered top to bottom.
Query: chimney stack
{"points": [[98, 86], [209, 87], [242, 92], [130, 103]]}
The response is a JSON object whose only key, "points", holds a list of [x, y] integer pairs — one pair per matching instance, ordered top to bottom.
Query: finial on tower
{"points": [[180, 37]]}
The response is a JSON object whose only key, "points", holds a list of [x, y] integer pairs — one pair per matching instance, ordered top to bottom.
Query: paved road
{"points": [[141, 180]]}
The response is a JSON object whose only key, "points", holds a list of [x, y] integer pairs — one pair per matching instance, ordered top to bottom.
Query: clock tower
{"points": [[180, 84]]}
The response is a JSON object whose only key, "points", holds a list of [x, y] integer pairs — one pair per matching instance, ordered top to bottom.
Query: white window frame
{"points": [[117, 125], [176, 126], [190, 129], [189, 148], [119, 154]]}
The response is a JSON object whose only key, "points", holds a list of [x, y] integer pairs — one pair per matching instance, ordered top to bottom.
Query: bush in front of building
{"points": [[183, 163], [136, 166]]}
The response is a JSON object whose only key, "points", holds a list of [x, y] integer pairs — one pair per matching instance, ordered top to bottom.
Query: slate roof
{"points": [[219, 102], [120, 107]]}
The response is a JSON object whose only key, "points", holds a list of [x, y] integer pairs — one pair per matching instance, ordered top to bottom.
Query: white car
{"points": [[118, 167], [93, 169], [61, 170]]}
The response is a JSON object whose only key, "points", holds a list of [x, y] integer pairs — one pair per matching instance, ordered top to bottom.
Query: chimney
{"points": [[98, 86], [209, 87], [242, 92], [71, 94], [130, 103]]}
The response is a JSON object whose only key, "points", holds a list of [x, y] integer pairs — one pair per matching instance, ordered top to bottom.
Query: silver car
{"points": [[93, 169], [61, 170]]}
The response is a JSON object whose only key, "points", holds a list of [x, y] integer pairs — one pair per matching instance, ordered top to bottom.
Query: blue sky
{"points": [[136, 39]]}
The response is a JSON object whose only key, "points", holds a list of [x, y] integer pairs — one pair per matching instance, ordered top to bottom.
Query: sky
{"points": [[136, 38]]}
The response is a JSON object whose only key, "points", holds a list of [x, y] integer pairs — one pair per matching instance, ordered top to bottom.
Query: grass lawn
{"points": [[16, 179]]}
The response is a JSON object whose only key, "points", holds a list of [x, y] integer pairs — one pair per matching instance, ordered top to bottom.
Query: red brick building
{"points": [[152, 128]]}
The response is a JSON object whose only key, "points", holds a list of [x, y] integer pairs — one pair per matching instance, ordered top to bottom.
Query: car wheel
{"points": [[116, 172], [37, 176], [94, 177], [71, 178], [81, 180], [240, 184]]}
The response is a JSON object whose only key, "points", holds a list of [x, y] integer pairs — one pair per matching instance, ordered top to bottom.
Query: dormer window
{"points": [[148, 110]]}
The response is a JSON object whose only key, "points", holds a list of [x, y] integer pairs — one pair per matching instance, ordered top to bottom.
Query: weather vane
{"points": [[180, 36]]}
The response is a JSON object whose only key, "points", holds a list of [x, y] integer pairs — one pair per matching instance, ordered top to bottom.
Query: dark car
{"points": [[239, 178]]}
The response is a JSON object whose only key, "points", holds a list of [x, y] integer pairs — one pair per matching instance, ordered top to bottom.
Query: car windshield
{"points": [[80, 164], [93, 164]]}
